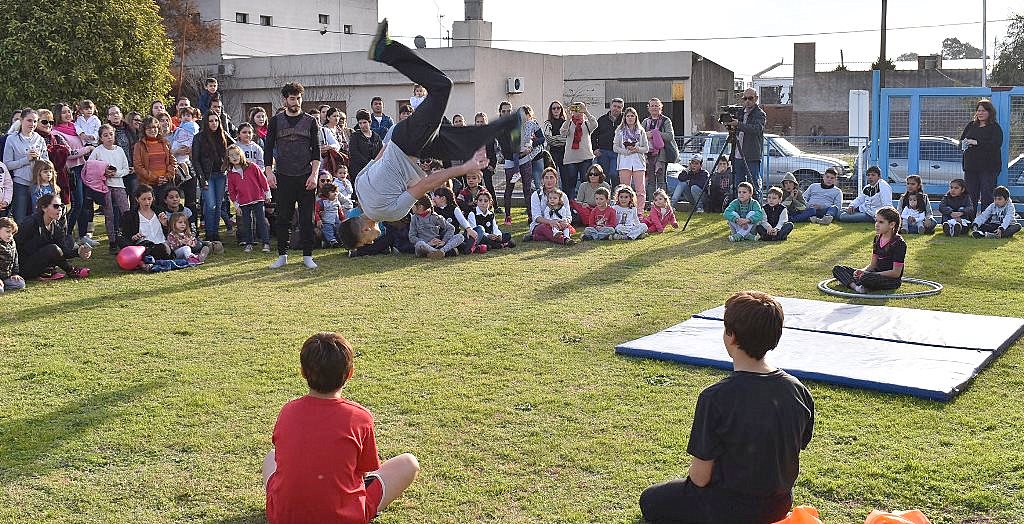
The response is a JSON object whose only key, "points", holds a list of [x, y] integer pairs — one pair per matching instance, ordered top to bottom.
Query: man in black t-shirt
{"points": [[748, 430]]}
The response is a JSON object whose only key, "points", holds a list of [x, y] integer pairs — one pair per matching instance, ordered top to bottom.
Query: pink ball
{"points": [[130, 257]]}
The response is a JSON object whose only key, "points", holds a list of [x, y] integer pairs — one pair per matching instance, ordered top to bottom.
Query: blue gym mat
{"points": [[928, 354]]}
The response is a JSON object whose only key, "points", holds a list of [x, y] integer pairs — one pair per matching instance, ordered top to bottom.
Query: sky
{"points": [[535, 25]]}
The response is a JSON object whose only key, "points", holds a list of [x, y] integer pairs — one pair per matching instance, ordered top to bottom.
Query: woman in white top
{"points": [[632, 145], [142, 226]]}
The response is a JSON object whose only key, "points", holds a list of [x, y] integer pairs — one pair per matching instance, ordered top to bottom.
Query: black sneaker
{"points": [[380, 42], [947, 230], [977, 234], [586, 237]]}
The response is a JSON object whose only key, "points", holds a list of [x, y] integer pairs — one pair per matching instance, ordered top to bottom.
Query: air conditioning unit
{"points": [[225, 69], [515, 84]]}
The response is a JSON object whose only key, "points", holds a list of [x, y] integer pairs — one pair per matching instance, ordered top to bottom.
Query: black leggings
{"points": [[422, 134], [291, 190], [992, 228], [784, 231], [48, 256], [871, 281], [682, 502]]}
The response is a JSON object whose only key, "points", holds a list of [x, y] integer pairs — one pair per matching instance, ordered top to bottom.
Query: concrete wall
{"points": [[252, 39]]}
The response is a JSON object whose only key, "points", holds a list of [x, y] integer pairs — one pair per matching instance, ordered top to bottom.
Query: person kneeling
{"points": [[775, 226], [887, 256], [748, 430], [324, 466]]}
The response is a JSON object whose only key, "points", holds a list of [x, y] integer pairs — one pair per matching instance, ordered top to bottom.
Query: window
{"points": [[242, 18], [325, 19], [266, 20], [348, 29]]}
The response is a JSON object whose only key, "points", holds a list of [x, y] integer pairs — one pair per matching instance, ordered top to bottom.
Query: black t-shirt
{"points": [[893, 253], [753, 425]]}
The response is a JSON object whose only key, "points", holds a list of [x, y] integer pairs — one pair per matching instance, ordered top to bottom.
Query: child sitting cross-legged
{"points": [[957, 209], [661, 214], [743, 214], [602, 219], [999, 219], [629, 226], [775, 226], [485, 228], [433, 236], [183, 242], [888, 256], [748, 430], [324, 466]]}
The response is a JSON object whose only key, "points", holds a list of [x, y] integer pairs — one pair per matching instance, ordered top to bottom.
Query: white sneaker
{"points": [[516, 178], [816, 220], [825, 220], [88, 241], [248, 248], [266, 248], [280, 262], [308, 262]]}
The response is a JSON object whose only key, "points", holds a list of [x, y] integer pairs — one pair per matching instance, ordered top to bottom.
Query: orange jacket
{"points": [[140, 161]]}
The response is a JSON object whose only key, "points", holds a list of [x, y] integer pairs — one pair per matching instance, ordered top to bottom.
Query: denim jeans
{"points": [[608, 160], [744, 171], [575, 174], [692, 193], [213, 198], [21, 203], [77, 205], [811, 211], [253, 216], [856, 216]]}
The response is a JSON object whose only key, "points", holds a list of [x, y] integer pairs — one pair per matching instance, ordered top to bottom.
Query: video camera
{"points": [[729, 113]]}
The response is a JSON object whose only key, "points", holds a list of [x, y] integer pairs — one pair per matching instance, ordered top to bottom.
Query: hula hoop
{"points": [[934, 289]]}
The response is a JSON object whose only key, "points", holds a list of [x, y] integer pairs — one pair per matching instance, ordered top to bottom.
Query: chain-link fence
{"points": [[807, 157]]}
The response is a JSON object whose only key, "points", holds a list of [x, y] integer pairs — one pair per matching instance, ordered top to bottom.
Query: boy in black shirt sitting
{"points": [[748, 430]]}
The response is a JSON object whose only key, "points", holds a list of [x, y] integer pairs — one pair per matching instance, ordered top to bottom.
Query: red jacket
{"points": [[248, 186], [606, 218], [657, 220]]}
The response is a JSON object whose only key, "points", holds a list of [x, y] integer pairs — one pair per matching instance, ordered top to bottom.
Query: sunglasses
{"points": [[748, 98], [46, 122], [57, 206]]}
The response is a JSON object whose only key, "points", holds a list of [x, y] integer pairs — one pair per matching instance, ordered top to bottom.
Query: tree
{"points": [[185, 27], [954, 49], [110, 51], [907, 57], [888, 65], [1009, 69]]}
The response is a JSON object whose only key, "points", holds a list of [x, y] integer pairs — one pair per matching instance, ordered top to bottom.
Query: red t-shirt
{"points": [[323, 448]]}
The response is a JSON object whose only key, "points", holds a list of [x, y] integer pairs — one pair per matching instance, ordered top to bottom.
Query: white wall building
{"points": [[273, 27]]}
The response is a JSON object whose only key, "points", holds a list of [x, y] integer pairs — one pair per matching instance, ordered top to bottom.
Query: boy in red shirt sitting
{"points": [[324, 465]]}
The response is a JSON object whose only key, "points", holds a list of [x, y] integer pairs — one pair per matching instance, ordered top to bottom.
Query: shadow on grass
{"points": [[26, 442], [252, 517]]}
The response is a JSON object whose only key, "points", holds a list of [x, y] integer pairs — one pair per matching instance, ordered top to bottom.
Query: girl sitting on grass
{"points": [[661, 214], [554, 221], [629, 226], [887, 257]]}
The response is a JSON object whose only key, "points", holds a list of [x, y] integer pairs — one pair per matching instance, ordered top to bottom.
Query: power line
{"points": [[635, 40]]}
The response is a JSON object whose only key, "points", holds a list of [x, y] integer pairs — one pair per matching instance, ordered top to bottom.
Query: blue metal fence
{"points": [[917, 131]]}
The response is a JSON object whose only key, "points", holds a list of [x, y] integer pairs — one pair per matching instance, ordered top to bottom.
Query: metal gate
{"points": [[917, 131]]}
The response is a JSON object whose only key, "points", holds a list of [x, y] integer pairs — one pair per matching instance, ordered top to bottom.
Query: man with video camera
{"points": [[746, 156]]}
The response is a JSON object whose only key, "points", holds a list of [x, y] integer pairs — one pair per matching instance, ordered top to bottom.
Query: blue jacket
{"points": [[382, 128]]}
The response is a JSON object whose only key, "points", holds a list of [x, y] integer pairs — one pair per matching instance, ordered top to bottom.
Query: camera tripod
{"points": [[730, 145]]}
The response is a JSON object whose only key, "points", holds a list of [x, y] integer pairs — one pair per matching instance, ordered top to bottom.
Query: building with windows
{"points": [[273, 28], [266, 45]]}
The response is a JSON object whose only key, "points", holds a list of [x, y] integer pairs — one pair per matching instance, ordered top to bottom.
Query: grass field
{"points": [[151, 398]]}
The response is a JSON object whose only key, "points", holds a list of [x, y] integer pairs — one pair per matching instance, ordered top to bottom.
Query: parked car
{"points": [[780, 157], [940, 160]]}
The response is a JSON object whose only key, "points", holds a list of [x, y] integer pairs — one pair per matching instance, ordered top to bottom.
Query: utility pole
{"points": [[984, 43], [881, 51]]}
